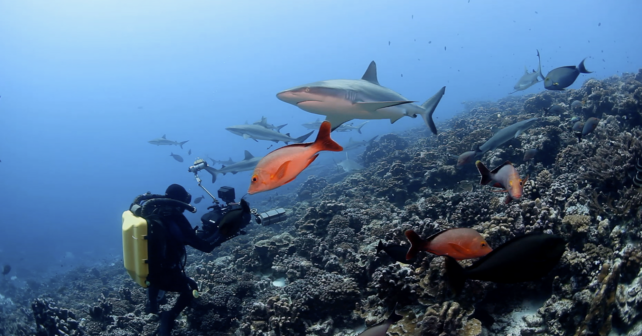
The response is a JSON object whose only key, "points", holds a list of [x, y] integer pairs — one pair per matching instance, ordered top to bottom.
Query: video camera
{"points": [[227, 220]]}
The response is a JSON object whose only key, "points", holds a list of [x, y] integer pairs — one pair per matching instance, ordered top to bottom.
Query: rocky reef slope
{"points": [[319, 273]]}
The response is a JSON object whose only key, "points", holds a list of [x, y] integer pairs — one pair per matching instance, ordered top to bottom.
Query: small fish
{"points": [[599, 24], [388, 42], [429, 42], [444, 48], [563, 77], [576, 104], [554, 110], [575, 119], [589, 126], [577, 127], [189, 152], [530, 154], [176, 157], [466, 158], [282, 165], [505, 176], [199, 199], [461, 243], [396, 252], [521, 259], [6, 269], [382, 328]]}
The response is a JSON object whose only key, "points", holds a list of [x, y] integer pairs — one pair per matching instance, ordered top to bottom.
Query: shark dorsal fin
{"points": [[371, 74], [164, 136], [248, 155]]}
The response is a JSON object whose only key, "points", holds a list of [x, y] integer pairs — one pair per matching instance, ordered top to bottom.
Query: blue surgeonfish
{"points": [[563, 77], [176, 157], [526, 258]]}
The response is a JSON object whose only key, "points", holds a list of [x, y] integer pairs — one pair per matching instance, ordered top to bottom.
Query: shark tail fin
{"points": [[582, 68], [429, 108], [278, 128], [359, 128], [303, 137], [323, 141], [182, 143], [212, 171], [485, 173], [415, 243]]}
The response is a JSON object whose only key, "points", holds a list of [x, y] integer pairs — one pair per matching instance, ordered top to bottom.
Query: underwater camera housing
{"points": [[226, 194]]}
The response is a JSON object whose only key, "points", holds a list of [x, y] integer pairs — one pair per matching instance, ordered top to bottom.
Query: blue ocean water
{"points": [[84, 85]]}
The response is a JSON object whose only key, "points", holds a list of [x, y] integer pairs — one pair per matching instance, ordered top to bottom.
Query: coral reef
{"points": [[318, 273]]}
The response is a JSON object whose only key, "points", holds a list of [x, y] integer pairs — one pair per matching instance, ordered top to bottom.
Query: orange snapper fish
{"points": [[281, 166], [505, 176], [460, 243]]}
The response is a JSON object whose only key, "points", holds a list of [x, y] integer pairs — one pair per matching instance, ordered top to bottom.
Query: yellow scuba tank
{"points": [[135, 253]]}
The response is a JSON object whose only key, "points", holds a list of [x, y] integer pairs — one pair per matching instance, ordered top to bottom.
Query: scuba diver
{"points": [[155, 233], [169, 254]]}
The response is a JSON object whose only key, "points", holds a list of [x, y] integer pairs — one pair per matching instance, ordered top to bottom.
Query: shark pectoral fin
{"points": [[373, 106], [395, 118], [337, 120], [518, 133], [281, 171]]}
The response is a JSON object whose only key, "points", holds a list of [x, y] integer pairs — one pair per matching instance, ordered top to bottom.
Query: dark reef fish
{"points": [[563, 77], [554, 110], [589, 126], [577, 129], [530, 154], [176, 157], [466, 158], [505, 176], [199, 199], [461, 243], [396, 252], [525, 258], [6, 269], [382, 328]]}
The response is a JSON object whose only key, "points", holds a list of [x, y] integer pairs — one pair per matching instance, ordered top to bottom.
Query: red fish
{"points": [[282, 165], [505, 176], [459, 243]]}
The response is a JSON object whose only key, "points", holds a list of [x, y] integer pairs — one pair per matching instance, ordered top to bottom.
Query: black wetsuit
{"points": [[167, 271]]}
